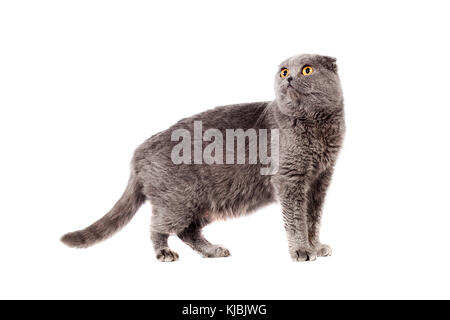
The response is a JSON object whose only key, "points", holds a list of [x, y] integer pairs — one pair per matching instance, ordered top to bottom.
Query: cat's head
{"points": [[307, 84]]}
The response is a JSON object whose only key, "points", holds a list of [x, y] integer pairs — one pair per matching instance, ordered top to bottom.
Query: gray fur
{"points": [[185, 198]]}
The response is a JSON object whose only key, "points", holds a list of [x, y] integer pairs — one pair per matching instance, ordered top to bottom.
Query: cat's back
{"points": [[236, 116], [243, 116]]}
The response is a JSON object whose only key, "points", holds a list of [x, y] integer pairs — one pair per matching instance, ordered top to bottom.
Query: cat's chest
{"points": [[318, 145]]}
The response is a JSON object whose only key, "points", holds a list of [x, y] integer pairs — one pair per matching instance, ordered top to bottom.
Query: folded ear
{"points": [[329, 63]]}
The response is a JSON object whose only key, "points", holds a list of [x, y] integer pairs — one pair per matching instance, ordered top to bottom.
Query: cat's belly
{"points": [[241, 194]]}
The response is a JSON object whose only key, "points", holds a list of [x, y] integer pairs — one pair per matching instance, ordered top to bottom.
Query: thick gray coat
{"points": [[308, 111]]}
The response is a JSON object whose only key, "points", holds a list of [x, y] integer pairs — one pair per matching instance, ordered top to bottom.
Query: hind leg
{"points": [[163, 224], [159, 236], [193, 237], [162, 250]]}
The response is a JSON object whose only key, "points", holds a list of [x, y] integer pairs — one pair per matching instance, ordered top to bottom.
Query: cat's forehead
{"points": [[298, 61]]}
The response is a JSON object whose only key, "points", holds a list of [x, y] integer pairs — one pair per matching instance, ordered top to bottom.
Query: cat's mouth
{"points": [[291, 88], [293, 93]]}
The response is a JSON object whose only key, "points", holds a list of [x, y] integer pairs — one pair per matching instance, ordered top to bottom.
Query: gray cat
{"points": [[308, 114]]}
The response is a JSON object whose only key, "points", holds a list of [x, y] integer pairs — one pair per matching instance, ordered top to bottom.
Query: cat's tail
{"points": [[122, 212]]}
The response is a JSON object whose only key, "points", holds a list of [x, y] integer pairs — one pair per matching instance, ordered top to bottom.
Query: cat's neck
{"points": [[319, 117]]}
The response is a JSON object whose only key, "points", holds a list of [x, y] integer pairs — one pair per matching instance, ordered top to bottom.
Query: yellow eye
{"points": [[307, 70], [284, 73]]}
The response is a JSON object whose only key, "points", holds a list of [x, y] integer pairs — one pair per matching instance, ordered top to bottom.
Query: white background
{"points": [[82, 83]]}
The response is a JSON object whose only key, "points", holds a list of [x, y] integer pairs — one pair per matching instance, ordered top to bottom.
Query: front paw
{"points": [[323, 250], [303, 254]]}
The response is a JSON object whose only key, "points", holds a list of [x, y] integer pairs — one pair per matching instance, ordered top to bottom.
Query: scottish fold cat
{"points": [[231, 160]]}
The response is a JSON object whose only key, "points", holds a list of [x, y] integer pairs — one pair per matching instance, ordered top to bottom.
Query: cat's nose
{"points": [[289, 79]]}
